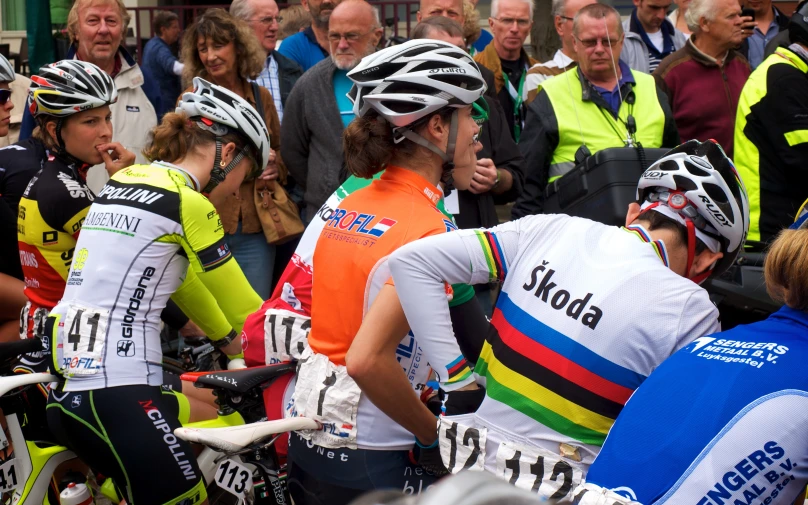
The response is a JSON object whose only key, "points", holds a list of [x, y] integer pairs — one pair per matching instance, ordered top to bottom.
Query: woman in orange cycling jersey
{"points": [[416, 119]]}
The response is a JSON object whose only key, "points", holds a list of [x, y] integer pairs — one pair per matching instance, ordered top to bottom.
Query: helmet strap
{"points": [[59, 141], [447, 156], [80, 165], [219, 173], [691, 245]]}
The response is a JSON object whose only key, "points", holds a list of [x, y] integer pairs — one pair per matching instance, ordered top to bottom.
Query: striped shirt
{"points": [[268, 78]]}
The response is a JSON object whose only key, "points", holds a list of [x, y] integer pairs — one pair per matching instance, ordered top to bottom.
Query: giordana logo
{"points": [[126, 348], [76, 401]]}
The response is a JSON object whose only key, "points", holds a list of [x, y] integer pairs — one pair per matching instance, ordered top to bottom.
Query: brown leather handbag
{"points": [[279, 215]]}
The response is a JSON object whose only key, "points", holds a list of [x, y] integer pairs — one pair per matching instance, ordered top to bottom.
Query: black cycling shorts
{"points": [[127, 433], [320, 476]]}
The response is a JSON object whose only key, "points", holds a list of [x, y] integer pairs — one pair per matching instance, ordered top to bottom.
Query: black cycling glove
{"points": [[456, 402], [428, 458]]}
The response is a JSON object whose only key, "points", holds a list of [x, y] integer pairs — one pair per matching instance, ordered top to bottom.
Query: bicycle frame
{"points": [[34, 465]]}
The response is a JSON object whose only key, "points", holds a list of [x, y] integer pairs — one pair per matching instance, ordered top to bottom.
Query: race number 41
{"points": [[8, 476], [234, 478]]}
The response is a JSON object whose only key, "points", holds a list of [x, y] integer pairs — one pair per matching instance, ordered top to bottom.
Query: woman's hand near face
{"points": [[116, 157], [270, 173]]}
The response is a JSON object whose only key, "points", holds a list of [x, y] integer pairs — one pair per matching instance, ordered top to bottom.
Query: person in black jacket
{"points": [[769, 21], [280, 73], [500, 165]]}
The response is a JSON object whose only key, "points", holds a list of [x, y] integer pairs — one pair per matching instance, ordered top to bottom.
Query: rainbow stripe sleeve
{"points": [[494, 256]]}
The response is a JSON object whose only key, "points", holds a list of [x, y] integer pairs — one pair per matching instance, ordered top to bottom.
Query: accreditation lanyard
{"points": [[516, 96]]}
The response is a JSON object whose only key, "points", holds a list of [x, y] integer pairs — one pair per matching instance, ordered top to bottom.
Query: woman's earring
{"points": [[222, 164]]}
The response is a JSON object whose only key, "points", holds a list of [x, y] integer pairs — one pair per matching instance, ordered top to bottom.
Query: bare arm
{"points": [[371, 362]]}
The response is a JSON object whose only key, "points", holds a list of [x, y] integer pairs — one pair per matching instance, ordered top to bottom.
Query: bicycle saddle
{"points": [[14, 381], [239, 381], [236, 438]]}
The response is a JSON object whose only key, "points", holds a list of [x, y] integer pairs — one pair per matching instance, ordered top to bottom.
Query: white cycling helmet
{"points": [[6, 70], [409, 82], [66, 87], [219, 110], [697, 185]]}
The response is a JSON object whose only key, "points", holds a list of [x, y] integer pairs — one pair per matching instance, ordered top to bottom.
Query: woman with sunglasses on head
{"points": [[416, 119], [152, 234]]}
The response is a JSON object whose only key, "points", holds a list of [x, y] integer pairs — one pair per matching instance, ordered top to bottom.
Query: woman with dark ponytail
{"points": [[418, 114]]}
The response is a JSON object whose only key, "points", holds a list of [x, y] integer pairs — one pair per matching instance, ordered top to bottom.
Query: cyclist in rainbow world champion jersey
{"points": [[420, 93], [148, 235], [569, 348], [723, 420]]}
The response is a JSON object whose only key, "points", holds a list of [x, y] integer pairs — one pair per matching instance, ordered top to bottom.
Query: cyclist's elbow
{"points": [[359, 365]]}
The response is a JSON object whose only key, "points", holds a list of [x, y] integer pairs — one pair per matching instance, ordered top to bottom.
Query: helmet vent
{"points": [[401, 107], [668, 165], [693, 169], [683, 183], [717, 194]]}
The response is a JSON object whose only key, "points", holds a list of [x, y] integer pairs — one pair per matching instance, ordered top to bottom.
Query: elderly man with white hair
{"points": [[510, 23], [704, 79], [318, 109]]}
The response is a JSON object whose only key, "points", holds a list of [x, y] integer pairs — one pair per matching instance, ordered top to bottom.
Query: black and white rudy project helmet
{"points": [[6, 70], [411, 81], [66, 87], [220, 111], [698, 183]]}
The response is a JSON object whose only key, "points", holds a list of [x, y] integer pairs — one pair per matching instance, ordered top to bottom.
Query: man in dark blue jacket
{"points": [[160, 60]]}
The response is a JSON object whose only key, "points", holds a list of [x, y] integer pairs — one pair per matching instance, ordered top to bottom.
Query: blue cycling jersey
{"points": [[722, 421]]}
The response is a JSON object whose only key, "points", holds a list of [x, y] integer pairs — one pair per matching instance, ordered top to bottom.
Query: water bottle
{"points": [[76, 494]]}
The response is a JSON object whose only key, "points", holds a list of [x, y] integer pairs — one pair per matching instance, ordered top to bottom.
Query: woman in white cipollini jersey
{"points": [[152, 233], [587, 312]]}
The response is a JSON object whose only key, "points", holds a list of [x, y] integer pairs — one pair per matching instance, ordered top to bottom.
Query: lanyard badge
{"points": [[518, 100]]}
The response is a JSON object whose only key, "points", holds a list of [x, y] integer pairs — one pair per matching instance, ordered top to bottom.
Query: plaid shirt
{"points": [[268, 78]]}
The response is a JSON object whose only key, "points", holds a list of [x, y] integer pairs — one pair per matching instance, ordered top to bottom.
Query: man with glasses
{"points": [[510, 23], [650, 37], [310, 46], [564, 58], [280, 73], [592, 106], [318, 109]]}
